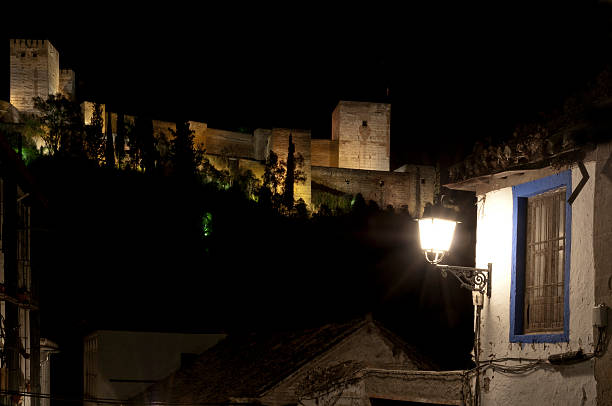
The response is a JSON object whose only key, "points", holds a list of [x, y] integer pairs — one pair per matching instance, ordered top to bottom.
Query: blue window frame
{"points": [[520, 194]]}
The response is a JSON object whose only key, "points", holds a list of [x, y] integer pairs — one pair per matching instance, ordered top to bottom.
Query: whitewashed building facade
{"points": [[547, 231]]}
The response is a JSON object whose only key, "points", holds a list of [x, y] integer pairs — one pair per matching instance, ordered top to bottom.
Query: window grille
{"points": [[23, 247], [545, 262], [91, 367]]}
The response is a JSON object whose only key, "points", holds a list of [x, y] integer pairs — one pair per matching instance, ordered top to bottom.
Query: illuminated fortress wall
{"points": [[34, 72], [67, 84], [362, 130], [279, 143], [355, 160], [410, 190]]}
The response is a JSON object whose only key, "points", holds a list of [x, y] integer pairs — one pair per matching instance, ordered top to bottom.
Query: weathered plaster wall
{"points": [[34, 72], [67, 84], [279, 143], [362, 146], [325, 153], [411, 189], [602, 235], [366, 346], [141, 356], [563, 385]]}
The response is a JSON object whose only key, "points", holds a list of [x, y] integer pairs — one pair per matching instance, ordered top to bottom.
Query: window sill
{"points": [[539, 338]]}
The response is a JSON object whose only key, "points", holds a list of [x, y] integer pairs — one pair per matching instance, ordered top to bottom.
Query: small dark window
{"points": [[23, 54], [34, 54], [364, 123], [422, 181]]}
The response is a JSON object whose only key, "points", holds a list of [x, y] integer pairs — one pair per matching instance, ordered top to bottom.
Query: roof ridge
{"points": [[356, 323]]}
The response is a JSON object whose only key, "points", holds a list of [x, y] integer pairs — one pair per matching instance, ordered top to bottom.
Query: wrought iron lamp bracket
{"points": [[474, 279]]}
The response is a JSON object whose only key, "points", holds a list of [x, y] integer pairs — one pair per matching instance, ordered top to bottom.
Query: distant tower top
{"points": [[34, 72], [362, 130]]}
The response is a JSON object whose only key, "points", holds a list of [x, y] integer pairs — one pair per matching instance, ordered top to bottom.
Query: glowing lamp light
{"points": [[436, 237]]}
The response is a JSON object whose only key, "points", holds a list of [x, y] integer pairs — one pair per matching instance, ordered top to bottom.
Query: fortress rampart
{"points": [[355, 160]]}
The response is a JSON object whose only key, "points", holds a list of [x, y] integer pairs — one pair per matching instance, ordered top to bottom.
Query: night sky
{"points": [[455, 71]]}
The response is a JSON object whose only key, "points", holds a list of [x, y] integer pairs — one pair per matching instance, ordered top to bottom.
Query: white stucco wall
{"points": [[139, 358], [564, 385]]}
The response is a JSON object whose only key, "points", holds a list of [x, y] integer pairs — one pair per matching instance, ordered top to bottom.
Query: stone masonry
{"points": [[34, 72], [67, 84], [362, 130], [355, 159], [410, 190]]}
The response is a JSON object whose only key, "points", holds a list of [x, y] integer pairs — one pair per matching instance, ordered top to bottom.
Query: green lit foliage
{"points": [[62, 122], [31, 131], [94, 138], [18, 142], [331, 202], [207, 224]]}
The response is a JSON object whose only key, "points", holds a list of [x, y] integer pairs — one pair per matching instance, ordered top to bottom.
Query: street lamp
{"points": [[436, 231]]}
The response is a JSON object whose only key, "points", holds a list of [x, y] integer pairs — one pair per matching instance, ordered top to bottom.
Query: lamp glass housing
{"points": [[436, 234]]}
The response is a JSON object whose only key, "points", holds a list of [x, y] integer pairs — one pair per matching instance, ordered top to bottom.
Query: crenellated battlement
{"points": [[23, 44]]}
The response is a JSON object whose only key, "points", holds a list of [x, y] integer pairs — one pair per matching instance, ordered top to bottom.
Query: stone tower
{"points": [[34, 71], [67, 84], [362, 130]]}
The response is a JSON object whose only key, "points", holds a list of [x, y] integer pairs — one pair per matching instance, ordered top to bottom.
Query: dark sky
{"points": [[455, 71]]}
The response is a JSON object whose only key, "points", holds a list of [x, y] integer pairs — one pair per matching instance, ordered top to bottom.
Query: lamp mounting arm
{"points": [[474, 279]]}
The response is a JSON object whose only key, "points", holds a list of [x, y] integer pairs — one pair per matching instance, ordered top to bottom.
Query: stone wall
{"points": [[34, 72], [67, 84], [87, 109], [363, 133], [163, 135], [228, 143], [262, 143], [279, 143], [324, 153], [409, 190]]}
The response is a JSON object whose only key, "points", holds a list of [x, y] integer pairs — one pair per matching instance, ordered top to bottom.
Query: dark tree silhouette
{"points": [[63, 124], [94, 139], [120, 140], [142, 144], [109, 154], [182, 154], [288, 190]]}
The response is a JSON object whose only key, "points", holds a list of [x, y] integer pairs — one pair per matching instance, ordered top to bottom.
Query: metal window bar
{"points": [[23, 247], [545, 263]]}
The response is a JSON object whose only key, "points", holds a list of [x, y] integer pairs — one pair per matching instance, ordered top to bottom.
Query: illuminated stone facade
{"points": [[34, 72], [67, 84], [362, 130], [355, 159]]}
